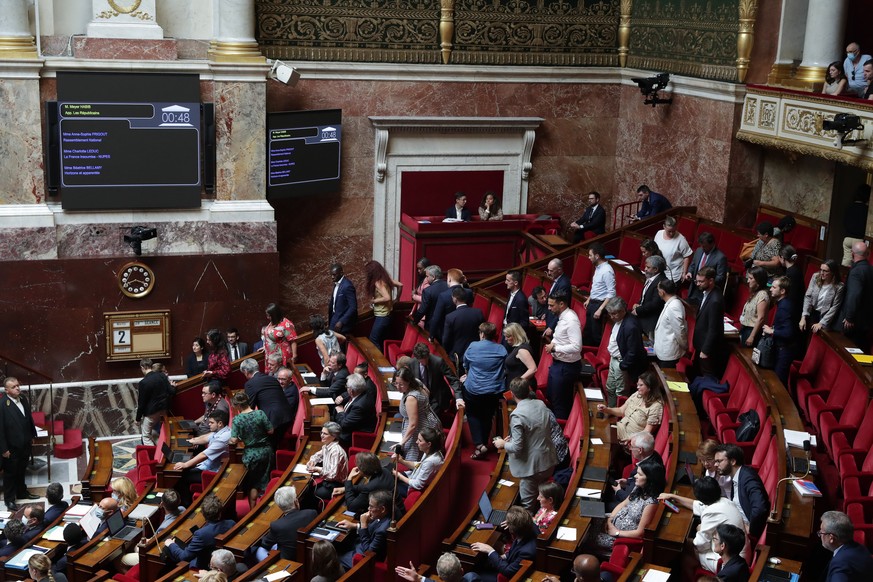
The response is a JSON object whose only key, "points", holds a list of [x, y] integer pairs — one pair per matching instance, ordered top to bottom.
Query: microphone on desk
{"points": [[807, 449]]}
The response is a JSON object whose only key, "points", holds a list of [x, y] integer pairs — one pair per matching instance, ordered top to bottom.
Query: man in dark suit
{"points": [[652, 203], [459, 211], [593, 219], [706, 255], [560, 286], [430, 295], [444, 304], [516, 305], [342, 309], [648, 310], [856, 318], [462, 325], [708, 338], [235, 348], [436, 374], [334, 377], [289, 389], [265, 392], [152, 401], [359, 414], [16, 437], [642, 450], [747, 489], [54, 494], [35, 516], [372, 529], [283, 531], [728, 541], [524, 546], [199, 549], [851, 561]]}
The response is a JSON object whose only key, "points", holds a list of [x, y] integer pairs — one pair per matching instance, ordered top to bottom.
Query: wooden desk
{"points": [[553, 240], [99, 471], [764, 558], [270, 565], [639, 571]]}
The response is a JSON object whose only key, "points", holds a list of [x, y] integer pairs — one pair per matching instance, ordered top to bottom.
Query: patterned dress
{"points": [[278, 338], [426, 417], [252, 428], [627, 518]]}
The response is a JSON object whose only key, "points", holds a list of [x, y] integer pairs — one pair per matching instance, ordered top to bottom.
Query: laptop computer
{"points": [[187, 424], [172, 456], [491, 515], [118, 530]]}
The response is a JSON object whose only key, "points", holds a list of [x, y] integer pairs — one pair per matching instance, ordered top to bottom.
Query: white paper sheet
{"points": [[594, 394], [321, 401], [567, 533]]}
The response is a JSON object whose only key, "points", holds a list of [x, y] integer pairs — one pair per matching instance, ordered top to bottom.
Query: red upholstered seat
{"points": [[629, 249], [583, 272], [527, 284], [481, 302], [395, 349], [353, 356], [542, 373], [731, 374], [820, 379], [735, 402], [830, 414], [727, 423], [662, 434], [849, 441], [283, 460], [861, 516], [617, 561]]}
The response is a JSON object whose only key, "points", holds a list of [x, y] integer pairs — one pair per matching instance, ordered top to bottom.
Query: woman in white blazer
{"points": [[671, 331]]}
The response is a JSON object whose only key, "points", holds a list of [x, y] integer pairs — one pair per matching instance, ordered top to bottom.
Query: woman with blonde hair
{"points": [[519, 362], [124, 492], [39, 567]]}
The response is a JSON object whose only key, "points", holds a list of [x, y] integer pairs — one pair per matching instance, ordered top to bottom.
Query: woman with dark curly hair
{"points": [[836, 82], [490, 208], [380, 289], [279, 335], [197, 360], [218, 362]]}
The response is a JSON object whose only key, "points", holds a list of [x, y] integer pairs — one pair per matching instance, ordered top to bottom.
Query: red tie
{"points": [[702, 261]]}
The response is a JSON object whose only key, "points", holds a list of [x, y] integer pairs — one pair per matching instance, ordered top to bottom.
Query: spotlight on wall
{"points": [[284, 73], [650, 86], [844, 124], [137, 235]]}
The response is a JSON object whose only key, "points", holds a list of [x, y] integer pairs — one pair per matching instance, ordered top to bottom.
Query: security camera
{"points": [[284, 73], [650, 86], [844, 124], [137, 235]]}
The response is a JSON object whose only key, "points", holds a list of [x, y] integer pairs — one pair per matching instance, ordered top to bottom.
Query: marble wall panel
{"points": [[240, 123], [21, 175], [802, 183], [28, 244]]}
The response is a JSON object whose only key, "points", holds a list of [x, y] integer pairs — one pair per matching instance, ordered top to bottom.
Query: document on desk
{"points": [[387, 369], [307, 376], [677, 386], [594, 394], [394, 395], [321, 401], [41, 432], [392, 437], [795, 438], [596, 441], [301, 469], [506, 483], [589, 493], [142, 511], [567, 533], [55, 534], [19, 561], [281, 574], [656, 576]]}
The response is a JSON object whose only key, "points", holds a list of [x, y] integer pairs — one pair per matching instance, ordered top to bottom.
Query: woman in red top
{"points": [[279, 335], [218, 366]]}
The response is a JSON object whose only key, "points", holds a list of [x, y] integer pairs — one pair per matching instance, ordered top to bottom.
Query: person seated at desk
{"points": [[490, 208], [458, 210], [538, 302], [333, 379], [213, 399], [642, 411], [359, 414], [430, 445], [209, 459], [331, 463], [374, 477], [124, 492], [54, 494], [550, 497], [104, 509], [172, 510], [631, 517], [33, 519], [372, 529], [283, 531], [523, 534], [13, 537], [75, 538], [203, 540], [728, 541], [222, 563], [325, 565], [39, 568], [448, 568], [586, 568]]}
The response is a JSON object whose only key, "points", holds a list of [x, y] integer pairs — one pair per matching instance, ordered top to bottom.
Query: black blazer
{"points": [[465, 213], [593, 219], [715, 259], [561, 286], [429, 300], [651, 305], [444, 306], [857, 307], [346, 311], [518, 311], [709, 327], [461, 329], [630, 345], [193, 367], [440, 381], [336, 384], [266, 393], [154, 394], [292, 395], [359, 415], [16, 430], [623, 493], [357, 496], [753, 499], [55, 511], [283, 532], [852, 562], [511, 564], [735, 570]]}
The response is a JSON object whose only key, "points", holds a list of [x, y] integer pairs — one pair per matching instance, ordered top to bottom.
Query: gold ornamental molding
{"points": [[748, 11], [447, 29], [624, 30], [17, 47], [235, 52], [793, 121]]}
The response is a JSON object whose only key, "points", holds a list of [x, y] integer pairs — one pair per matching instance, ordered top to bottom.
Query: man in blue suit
{"points": [[652, 202], [459, 210], [593, 219], [560, 286], [430, 296], [444, 304], [342, 309], [517, 309], [462, 325], [266, 393], [747, 489], [372, 529], [199, 548], [851, 561]]}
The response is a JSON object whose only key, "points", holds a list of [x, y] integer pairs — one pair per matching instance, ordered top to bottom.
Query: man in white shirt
{"points": [[854, 68], [602, 289], [566, 350]]}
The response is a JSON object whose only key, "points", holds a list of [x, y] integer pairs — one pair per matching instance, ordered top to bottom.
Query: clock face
{"points": [[136, 280]]}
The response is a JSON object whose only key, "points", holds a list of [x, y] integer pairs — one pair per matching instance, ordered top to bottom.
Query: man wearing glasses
{"points": [[853, 66], [747, 489], [851, 561]]}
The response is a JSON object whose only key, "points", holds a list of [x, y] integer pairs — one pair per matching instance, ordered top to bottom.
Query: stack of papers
{"points": [[387, 369], [677, 386], [594, 394], [395, 395], [321, 401], [392, 437], [795, 438], [300, 469], [806, 488], [588, 493], [76, 512], [55, 534], [656, 576]]}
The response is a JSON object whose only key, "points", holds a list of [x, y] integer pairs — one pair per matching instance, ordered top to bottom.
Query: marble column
{"points": [[124, 19], [16, 42], [235, 42], [822, 43], [789, 48]]}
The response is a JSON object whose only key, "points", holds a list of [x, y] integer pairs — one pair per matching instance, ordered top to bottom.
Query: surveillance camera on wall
{"points": [[284, 73], [650, 86], [844, 124], [137, 235]]}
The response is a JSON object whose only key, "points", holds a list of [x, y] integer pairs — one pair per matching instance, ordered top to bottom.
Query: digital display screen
{"points": [[304, 151]]}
